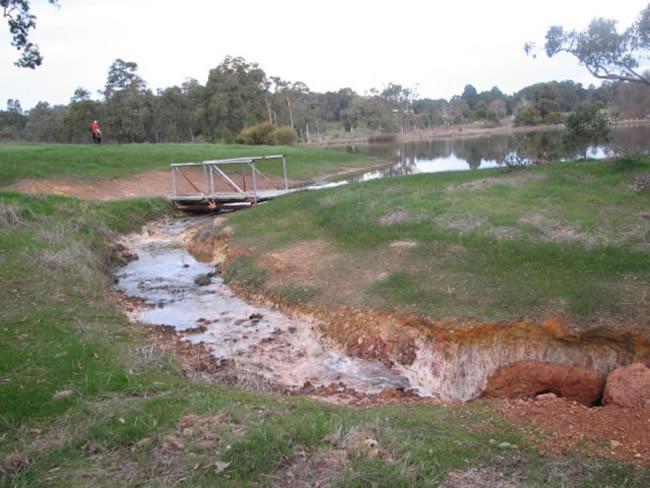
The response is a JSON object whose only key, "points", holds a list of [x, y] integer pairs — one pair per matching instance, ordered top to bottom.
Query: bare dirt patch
{"points": [[484, 183], [640, 183], [151, 184], [145, 185], [394, 217], [463, 225], [554, 230], [505, 232], [403, 245], [299, 262], [338, 277], [557, 426], [322, 468], [316, 470], [479, 478]]}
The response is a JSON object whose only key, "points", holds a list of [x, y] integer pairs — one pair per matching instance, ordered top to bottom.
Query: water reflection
{"points": [[489, 152]]}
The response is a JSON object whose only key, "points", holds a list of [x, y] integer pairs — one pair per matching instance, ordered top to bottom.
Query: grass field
{"points": [[89, 162], [568, 238], [122, 419]]}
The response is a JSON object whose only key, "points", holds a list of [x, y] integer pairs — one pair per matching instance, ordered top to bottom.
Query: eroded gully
{"points": [[290, 352]]}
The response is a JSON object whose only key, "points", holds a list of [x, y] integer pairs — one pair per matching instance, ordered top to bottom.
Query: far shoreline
{"points": [[466, 131]]}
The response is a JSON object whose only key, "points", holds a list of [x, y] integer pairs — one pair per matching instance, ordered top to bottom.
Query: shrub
{"points": [[256, 134], [267, 134], [283, 136]]}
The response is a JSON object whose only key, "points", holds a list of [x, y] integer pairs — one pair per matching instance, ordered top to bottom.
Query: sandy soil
{"points": [[151, 184], [145, 185]]}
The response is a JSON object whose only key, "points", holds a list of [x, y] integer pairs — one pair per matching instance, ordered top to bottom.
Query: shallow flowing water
{"points": [[260, 340]]}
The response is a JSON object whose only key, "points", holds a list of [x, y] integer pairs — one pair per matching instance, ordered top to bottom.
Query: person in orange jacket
{"points": [[96, 132]]}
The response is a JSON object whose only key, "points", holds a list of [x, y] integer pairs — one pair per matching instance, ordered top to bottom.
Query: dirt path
{"points": [[151, 184], [145, 185]]}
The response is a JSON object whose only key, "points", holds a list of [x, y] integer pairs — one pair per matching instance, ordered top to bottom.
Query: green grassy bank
{"points": [[88, 162], [491, 244], [123, 419]]}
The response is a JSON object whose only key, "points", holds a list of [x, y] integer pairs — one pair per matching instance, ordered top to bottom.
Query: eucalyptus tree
{"points": [[21, 21], [606, 53], [194, 92], [234, 98], [129, 104], [172, 117], [12, 121], [45, 123]]}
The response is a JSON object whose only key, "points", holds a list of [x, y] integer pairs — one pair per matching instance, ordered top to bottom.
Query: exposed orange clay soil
{"points": [[145, 185], [559, 426]]}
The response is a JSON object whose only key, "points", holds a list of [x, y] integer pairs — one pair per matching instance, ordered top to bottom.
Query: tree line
{"points": [[239, 94]]}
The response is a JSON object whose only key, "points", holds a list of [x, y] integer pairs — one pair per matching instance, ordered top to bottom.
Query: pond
{"points": [[493, 151]]}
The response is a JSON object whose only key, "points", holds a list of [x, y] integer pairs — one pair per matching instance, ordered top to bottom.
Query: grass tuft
{"points": [[243, 271]]}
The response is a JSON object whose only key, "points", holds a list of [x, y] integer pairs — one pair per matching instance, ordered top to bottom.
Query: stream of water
{"points": [[260, 340]]}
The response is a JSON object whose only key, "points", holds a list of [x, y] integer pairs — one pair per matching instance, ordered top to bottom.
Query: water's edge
{"points": [[259, 340]]}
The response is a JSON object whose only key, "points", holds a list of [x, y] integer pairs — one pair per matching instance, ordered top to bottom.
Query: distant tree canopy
{"points": [[21, 21], [606, 53], [239, 94]]}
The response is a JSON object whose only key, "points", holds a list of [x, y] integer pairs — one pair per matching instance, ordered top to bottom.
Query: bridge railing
{"points": [[204, 185]]}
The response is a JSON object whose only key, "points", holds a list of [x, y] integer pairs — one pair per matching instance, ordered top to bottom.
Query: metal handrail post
{"points": [[284, 172], [205, 176], [174, 182], [254, 182], [212, 189]]}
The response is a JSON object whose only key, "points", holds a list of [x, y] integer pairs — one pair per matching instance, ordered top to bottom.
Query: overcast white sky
{"points": [[436, 46]]}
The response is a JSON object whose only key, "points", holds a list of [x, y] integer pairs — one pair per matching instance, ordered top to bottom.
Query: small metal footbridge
{"points": [[222, 183]]}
